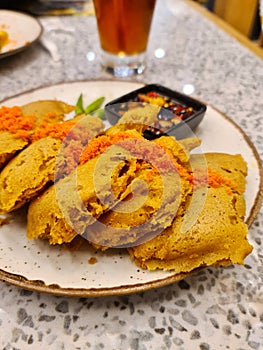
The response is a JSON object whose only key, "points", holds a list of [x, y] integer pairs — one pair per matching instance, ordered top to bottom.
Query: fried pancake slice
{"points": [[43, 108], [139, 118], [10, 145], [28, 173], [156, 196], [74, 202], [150, 207], [67, 208], [64, 211], [209, 228]]}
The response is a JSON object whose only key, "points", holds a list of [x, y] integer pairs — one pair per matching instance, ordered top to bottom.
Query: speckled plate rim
{"points": [[22, 47], [259, 198], [40, 286], [55, 289]]}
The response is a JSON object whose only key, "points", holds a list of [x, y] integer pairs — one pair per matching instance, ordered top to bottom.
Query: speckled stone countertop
{"points": [[213, 309]]}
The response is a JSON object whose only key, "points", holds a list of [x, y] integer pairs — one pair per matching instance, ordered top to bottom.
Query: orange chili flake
{"points": [[51, 115], [12, 120], [57, 130], [100, 144], [138, 165], [182, 171], [150, 175], [207, 177], [229, 191]]}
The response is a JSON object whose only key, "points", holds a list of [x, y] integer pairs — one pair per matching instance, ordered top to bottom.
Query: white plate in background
{"points": [[23, 30]]}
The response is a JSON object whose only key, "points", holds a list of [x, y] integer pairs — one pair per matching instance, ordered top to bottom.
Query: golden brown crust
{"points": [[44, 108], [9, 146], [28, 173], [113, 175], [154, 203], [66, 208], [150, 208], [216, 234]]}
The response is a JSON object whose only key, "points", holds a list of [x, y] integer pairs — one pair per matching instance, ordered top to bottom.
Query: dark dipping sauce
{"points": [[172, 112], [178, 114]]}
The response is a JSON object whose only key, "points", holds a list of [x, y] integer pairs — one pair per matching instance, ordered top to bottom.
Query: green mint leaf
{"points": [[79, 105], [94, 105]]}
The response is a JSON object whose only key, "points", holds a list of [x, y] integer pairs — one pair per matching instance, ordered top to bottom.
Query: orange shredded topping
{"points": [[12, 120], [21, 126], [24, 127], [57, 130], [100, 144], [161, 158], [150, 175], [207, 177]]}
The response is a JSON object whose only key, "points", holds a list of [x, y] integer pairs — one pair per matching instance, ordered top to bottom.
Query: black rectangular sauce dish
{"points": [[179, 114]]}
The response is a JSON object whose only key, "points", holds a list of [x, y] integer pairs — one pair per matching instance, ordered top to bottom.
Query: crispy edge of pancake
{"points": [[42, 108], [9, 147], [28, 173], [219, 235]]}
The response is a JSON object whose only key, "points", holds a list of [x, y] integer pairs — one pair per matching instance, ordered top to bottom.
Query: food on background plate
{"points": [[3, 38], [170, 210]]}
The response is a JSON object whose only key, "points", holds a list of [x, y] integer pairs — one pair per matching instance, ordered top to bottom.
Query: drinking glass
{"points": [[124, 28]]}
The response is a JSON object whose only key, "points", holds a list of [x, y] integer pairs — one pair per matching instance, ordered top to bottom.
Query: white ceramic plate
{"points": [[23, 30], [37, 266]]}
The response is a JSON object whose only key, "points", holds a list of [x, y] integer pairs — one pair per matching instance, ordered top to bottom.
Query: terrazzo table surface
{"points": [[214, 309]]}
